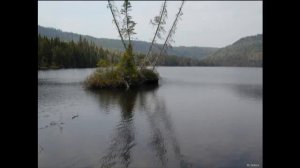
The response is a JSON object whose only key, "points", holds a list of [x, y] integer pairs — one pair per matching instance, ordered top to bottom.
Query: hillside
{"points": [[139, 46], [246, 51]]}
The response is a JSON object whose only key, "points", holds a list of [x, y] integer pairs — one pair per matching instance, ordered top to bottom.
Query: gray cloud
{"points": [[204, 23]]}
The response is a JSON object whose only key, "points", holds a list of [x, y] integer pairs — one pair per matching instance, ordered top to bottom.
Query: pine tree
{"points": [[128, 24]]}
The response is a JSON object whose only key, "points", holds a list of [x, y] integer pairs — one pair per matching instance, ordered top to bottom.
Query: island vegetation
{"points": [[126, 73]]}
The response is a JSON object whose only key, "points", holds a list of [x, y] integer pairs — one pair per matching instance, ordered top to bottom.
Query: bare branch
{"points": [[113, 11], [159, 20], [169, 38]]}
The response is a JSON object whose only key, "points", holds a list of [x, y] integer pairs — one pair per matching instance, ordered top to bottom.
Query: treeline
{"points": [[138, 46], [246, 51], [54, 53], [172, 60]]}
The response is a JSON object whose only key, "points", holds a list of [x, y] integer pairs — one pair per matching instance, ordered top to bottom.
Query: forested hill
{"points": [[139, 46], [245, 52]]}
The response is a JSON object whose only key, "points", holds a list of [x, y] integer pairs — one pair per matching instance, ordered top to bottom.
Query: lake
{"points": [[196, 117]]}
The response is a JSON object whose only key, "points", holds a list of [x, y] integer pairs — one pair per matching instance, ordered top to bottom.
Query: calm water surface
{"points": [[208, 117]]}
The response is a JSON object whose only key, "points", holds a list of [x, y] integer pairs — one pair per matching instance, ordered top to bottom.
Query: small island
{"points": [[126, 73]]}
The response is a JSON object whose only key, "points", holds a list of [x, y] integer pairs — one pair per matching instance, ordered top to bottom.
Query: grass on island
{"points": [[124, 75], [114, 79]]}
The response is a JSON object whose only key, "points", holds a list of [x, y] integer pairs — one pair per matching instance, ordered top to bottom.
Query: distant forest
{"points": [[115, 44], [58, 49], [246, 51], [54, 53]]}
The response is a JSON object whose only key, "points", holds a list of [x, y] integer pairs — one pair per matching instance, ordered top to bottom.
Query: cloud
{"points": [[204, 23]]}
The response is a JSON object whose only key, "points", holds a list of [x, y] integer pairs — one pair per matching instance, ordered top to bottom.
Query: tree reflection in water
{"points": [[159, 120], [123, 140], [119, 151]]}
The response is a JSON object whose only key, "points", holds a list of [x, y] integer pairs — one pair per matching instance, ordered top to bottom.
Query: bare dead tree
{"points": [[114, 12], [159, 21], [128, 25], [169, 38]]}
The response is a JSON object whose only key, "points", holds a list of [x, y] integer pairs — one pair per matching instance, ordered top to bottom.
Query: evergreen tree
{"points": [[54, 53]]}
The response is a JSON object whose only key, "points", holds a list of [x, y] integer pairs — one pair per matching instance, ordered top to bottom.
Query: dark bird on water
{"points": [[75, 116]]}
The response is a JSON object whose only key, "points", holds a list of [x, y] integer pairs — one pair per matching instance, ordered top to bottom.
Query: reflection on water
{"points": [[249, 91], [197, 117], [159, 120], [123, 138], [119, 152]]}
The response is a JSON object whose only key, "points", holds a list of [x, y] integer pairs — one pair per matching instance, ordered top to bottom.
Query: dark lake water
{"points": [[204, 117]]}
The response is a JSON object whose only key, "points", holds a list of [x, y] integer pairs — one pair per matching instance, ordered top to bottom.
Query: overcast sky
{"points": [[204, 23]]}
